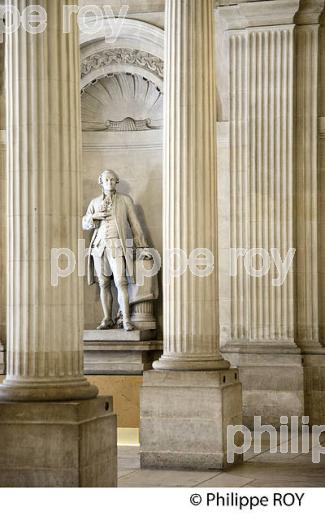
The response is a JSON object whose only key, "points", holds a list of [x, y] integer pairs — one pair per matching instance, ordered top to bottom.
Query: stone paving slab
{"points": [[264, 470], [164, 478]]}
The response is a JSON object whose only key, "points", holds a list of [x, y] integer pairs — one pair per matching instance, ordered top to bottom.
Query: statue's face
{"points": [[108, 182]]}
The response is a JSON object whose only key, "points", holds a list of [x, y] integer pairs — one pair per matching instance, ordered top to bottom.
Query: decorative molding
{"points": [[121, 56], [98, 65], [126, 125], [106, 147]]}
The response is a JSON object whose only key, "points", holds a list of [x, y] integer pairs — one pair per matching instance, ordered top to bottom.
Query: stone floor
{"points": [[259, 470]]}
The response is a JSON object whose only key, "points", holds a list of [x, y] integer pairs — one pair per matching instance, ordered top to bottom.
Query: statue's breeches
{"points": [[108, 265]]}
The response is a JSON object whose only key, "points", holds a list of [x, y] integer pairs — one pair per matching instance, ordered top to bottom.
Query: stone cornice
{"points": [[310, 12], [241, 14], [259, 14]]}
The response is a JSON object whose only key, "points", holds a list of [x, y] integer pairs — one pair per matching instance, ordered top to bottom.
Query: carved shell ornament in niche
{"points": [[121, 102]]}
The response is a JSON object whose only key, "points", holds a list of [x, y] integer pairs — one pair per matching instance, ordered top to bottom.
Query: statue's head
{"points": [[108, 180]]}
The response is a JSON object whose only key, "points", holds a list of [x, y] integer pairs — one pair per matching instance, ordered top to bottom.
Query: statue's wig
{"points": [[111, 172]]}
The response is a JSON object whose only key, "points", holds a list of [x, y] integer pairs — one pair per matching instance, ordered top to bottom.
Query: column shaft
{"points": [[260, 37], [321, 181], [307, 187], [310, 204], [2, 212], [3, 269], [44, 322], [191, 328], [197, 381]]}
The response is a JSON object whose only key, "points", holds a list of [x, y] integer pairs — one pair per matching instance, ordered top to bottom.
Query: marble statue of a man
{"points": [[109, 216]]}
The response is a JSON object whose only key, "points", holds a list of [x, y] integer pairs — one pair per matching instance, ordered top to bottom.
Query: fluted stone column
{"points": [[260, 37], [273, 64], [308, 171], [321, 195], [2, 212], [310, 214], [191, 319], [44, 323], [191, 379], [55, 441]]}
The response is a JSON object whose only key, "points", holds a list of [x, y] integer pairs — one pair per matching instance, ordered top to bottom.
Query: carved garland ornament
{"points": [[123, 56]]}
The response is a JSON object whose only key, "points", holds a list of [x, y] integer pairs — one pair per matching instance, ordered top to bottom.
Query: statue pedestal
{"points": [[119, 335], [117, 352]]}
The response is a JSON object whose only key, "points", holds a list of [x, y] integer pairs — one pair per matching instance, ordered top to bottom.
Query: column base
{"points": [[313, 356], [188, 362], [271, 374], [79, 389], [184, 418], [71, 444]]}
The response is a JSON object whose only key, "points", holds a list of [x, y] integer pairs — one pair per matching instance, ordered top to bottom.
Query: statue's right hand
{"points": [[100, 215]]}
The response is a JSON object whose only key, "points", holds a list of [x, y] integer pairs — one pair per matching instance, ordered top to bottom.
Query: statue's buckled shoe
{"points": [[106, 324], [127, 325]]}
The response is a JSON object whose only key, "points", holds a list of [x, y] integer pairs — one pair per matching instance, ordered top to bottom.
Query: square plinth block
{"points": [[272, 379], [314, 383], [184, 418], [58, 444]]}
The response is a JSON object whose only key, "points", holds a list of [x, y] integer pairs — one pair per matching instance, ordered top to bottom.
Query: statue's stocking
{"points": [[107, 301]]}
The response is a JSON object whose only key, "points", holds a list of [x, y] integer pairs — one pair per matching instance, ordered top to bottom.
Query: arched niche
{"points": [[122, 98]]}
